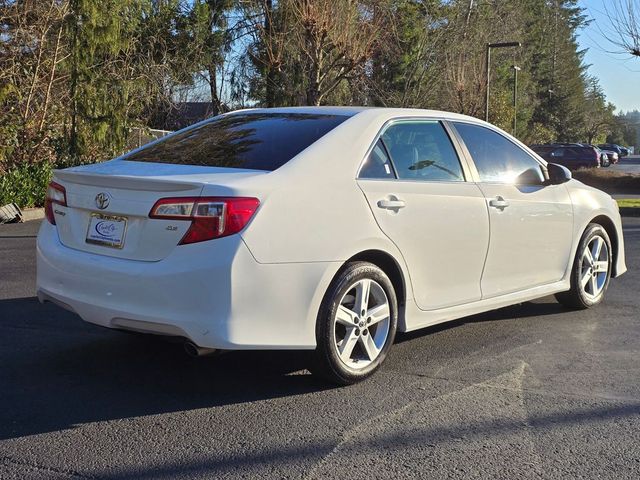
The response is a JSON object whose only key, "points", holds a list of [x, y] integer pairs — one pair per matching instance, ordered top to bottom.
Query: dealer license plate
{"points": [[106, 230]]}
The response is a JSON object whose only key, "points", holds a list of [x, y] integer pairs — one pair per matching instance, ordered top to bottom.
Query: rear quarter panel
{"points": [[313, 210]]}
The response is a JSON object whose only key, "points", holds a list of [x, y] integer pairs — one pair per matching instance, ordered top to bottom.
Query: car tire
{"points": [[591, 270], [356, 324]]}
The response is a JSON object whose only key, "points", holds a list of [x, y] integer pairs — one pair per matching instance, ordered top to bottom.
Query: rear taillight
{"points": [[56, 194], [210, 217]]}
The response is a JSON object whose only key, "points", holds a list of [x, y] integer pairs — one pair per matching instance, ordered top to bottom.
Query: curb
{"points": [[32, 214]]}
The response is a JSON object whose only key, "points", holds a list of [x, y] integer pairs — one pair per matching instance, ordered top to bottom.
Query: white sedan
{"points": [[324, 228]]}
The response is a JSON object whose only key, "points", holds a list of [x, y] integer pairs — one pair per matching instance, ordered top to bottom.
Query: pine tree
{"points": [[100, 34]]}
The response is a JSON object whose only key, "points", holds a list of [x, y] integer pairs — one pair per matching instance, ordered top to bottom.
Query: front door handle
{"points": [[499, 203], [394, 204]]}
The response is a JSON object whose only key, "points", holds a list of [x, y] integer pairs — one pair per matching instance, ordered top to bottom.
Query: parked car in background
{"points": [[621, 151], [570, 155], [612, 156], [605, 160], [322, 228]]}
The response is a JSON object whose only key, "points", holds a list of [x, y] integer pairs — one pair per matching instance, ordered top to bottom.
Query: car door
{"points": [[418, 191], [531, 221]]}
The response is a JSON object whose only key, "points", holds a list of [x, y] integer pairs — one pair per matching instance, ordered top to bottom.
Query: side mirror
{"points": [[558, 174], [531, 176]]}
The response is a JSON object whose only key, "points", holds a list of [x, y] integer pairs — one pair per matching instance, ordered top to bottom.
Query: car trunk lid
{"points": [[107, 205]]}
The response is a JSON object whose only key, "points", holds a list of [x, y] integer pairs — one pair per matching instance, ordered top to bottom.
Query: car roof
{"points": [[369, 111]]}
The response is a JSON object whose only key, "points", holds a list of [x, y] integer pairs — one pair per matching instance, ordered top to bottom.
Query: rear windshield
{"points": [[256, 141]]}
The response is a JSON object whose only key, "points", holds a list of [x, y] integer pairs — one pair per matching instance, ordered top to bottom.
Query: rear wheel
{"points": [[591, 269], [356, 324]]}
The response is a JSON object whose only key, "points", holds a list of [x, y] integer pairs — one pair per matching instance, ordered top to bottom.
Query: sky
{"points": [[619, 74]]}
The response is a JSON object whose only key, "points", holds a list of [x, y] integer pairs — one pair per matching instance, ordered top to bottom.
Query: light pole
{"points": [[488, 68], [516, 69]]}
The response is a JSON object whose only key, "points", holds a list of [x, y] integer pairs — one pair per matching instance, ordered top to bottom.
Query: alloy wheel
{"points": [[594, 267], [361, 324]]}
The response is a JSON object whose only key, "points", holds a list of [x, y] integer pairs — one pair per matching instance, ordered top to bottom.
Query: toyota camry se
{"points": [[323, 228]]}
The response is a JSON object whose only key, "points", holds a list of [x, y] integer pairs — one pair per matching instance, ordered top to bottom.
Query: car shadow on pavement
{"points": [[57, 371]]}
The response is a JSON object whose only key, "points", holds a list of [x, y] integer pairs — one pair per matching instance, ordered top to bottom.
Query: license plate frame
{"points": [[103, 239]]}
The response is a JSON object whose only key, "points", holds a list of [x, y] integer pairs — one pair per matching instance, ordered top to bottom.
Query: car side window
{"points": [[422, 150], [497, 159], [377, 164]]}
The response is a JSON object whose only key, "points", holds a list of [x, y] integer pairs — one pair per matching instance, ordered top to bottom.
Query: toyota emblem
{"points": [[102, 200]]}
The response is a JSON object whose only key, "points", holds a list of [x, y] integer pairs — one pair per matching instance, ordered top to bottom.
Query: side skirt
{"points": [[413, 318]]}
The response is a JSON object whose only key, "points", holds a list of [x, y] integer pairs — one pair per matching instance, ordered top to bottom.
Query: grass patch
{"points": [[629, 202]]}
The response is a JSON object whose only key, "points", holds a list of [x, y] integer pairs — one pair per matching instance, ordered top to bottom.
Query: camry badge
{"points": [[102, 200]]}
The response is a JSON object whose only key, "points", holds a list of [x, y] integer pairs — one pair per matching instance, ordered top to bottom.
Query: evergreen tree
{"points": [[557, 67], [99, 84]]}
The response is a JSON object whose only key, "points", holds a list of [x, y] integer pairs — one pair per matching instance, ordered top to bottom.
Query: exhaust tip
{"points": [[194, 350]]}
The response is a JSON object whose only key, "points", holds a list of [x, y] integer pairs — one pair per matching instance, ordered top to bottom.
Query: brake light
{"points": [[56, 194], [210, 217]]}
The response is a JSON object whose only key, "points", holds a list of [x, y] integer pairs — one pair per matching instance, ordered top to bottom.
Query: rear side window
{"points": [[256, 141], [422, 150], [497, 159], [377, 164]]}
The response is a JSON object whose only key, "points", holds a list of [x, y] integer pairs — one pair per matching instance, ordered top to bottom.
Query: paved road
{"points": [[630, 164], [531, 391]]}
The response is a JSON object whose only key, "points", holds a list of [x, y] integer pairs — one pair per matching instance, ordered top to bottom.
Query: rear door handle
{"points": [[499, 203], [391, 204]]}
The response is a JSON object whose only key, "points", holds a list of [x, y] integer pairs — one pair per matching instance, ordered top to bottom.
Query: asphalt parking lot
{"points": [[630, 164], [530, 391]]}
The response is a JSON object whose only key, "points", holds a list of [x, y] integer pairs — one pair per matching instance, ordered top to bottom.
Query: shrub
{"points": [[611, 181], [25, 184]]}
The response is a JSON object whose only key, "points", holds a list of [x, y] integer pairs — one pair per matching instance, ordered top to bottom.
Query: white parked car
{"points": [[326, 229]]}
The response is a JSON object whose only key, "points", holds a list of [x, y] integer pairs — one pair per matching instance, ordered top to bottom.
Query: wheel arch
{"points": [[605, 222], [388, 265]]}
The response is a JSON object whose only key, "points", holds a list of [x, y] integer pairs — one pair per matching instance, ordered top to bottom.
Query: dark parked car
{"points": [[621, 151], [570, 155], [607, 157]]}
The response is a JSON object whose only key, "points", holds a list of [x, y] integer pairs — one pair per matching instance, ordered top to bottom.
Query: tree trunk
{"points": [[36, 72], [52, 74], [270, 77], [73, 88], [313, 89], [216, 104]]}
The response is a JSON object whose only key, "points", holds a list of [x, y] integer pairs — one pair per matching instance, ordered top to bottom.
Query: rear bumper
{"points": [[212, 293]]}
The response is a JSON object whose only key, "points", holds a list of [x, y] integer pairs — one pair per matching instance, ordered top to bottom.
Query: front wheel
{"points": [[591, 269], [356, 324]]}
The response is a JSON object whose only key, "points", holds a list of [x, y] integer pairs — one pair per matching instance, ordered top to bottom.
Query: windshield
{"points": [[256, 141]]}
